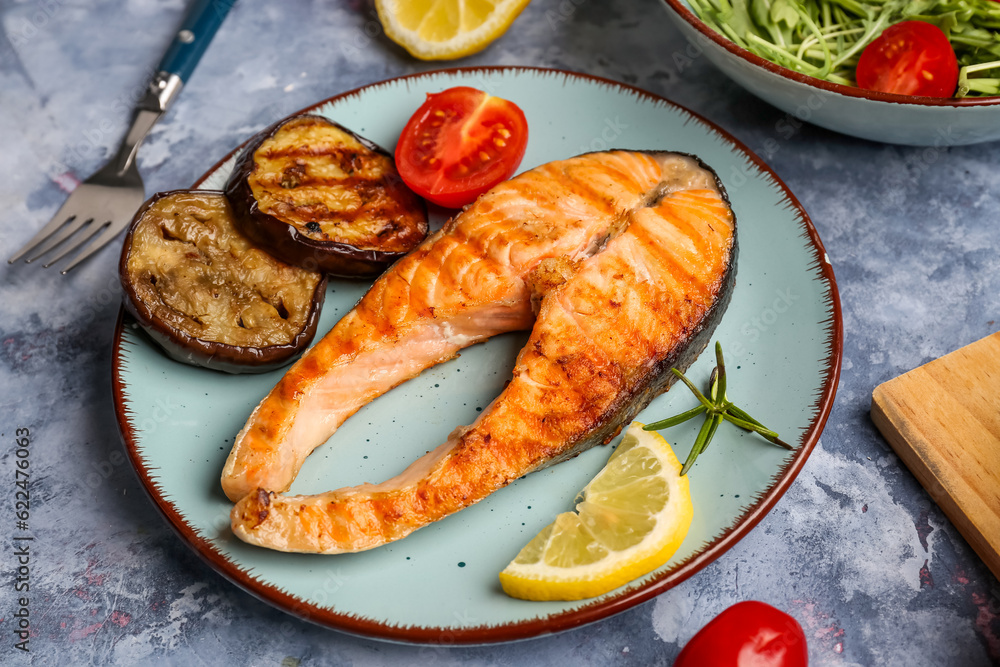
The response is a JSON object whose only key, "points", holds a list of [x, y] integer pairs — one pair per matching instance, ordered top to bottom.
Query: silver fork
{"points": [[103, 205]]}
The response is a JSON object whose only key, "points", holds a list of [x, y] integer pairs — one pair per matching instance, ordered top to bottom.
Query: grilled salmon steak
{"points": [[629, 259]]}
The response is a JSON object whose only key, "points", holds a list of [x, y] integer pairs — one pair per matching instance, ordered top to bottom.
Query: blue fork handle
{"points": [[194, 36]]}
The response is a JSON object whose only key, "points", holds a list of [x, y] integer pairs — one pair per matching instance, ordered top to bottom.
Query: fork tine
{"points": [[62, 216], [109, 233], [61, 234], [76, 242]]}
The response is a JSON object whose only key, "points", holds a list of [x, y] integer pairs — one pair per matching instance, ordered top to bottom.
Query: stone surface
{"points": [[856, 550]]}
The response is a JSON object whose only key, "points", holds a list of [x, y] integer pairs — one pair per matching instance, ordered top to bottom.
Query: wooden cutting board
{"points": [[943, 420]]}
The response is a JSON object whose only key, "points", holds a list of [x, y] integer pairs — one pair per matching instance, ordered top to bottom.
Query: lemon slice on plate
{"points": [[446, 29], [632, 517]]}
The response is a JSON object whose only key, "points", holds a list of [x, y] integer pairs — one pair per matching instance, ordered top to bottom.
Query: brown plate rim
{"points": [[850, 91], [601, 608]]}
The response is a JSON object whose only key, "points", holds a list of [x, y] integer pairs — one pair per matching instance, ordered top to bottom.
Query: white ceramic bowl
{"points": [[897, 119]]}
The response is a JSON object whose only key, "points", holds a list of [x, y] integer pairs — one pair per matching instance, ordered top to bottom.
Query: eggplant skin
{"points": [[321, 197], [207, 295]]}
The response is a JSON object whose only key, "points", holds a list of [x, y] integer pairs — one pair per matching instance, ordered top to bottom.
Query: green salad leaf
{"points": [[784, 11], [825, 38]]}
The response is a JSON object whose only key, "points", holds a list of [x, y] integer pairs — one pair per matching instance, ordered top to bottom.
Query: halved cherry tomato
{"points": [[910, 58], [459, 144], [748, 634]]}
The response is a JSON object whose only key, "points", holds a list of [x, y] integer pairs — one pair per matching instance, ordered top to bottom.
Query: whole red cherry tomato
{"points": [[910, 58], [460, 143], [748, 634]]}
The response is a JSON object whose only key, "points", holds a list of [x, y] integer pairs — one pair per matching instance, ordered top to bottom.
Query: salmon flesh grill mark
{"points": [[621, 263]]}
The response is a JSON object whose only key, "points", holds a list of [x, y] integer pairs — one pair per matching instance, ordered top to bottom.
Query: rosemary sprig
{"points": [[717, 408]]}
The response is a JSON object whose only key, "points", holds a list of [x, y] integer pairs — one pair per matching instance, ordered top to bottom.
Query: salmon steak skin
{"points": [[621, 263]]}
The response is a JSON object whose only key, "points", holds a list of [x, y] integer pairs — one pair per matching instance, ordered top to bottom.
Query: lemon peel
{"points": [[446, 29], [632, 518]]}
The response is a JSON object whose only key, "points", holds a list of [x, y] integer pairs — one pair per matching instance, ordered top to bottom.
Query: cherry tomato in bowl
{"points": [[909, 58], [460, 143], [748, 634]]}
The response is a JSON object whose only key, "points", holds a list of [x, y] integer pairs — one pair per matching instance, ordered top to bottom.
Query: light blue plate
{"points": [[782, 334]]}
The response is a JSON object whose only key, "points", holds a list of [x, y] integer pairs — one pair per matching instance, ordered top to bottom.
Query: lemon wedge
{"points": [[446, 29], [632, 517]]}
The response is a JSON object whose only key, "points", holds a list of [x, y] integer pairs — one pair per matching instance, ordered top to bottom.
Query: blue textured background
{"points": [[856, 550]]}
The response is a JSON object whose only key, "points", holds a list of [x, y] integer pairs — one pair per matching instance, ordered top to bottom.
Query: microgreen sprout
{"points": [[825, 38]]}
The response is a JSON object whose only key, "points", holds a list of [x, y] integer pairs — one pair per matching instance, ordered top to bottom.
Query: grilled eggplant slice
{"points": [[321, 197], [207, 295]]}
